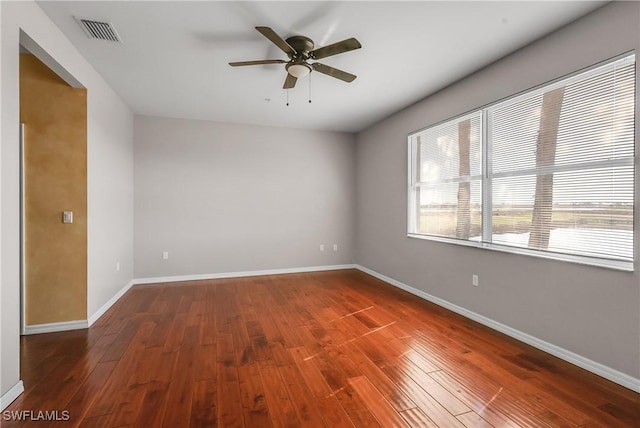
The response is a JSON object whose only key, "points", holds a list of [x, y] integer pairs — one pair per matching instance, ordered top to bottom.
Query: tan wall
{"points": [[55, 118]]}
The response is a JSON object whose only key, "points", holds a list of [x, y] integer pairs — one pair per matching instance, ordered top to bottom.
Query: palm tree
{"points": [[545, 156], [463, 221]]}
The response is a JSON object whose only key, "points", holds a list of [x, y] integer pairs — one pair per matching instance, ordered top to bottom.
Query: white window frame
{"points": [[487, 176], [415, 184]]}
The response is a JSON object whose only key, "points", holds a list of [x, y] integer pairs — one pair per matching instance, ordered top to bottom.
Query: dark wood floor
{"points": [[334, 349]]}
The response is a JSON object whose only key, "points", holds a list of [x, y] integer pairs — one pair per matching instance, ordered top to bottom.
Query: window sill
{"points": [[583, 260]]}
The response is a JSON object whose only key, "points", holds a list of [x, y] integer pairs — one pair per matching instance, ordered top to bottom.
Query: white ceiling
{"points": [[174, 58]]}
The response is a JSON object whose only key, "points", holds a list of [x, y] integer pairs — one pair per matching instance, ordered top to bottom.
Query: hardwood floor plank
{"points": [[158, 306], [209, 330], [160, 331], [265, 331], [175, 334], [122, 341], [242, 343], [335, 349], [205, 362], [424, 364], [154, 365], [69, 375], [31, 376], [337, 376], [491, 378], [558, 378], [119, 379], [314, 379], [379, 379], [228, 389], [180, 393], [86, 394], [252, 397], [505, 398], [155, 400], [448, 400], [376, 403], [539, 403], [280, 405], [429, 405], [128, 406], [482, 406], [305, 407], [331, 410], [204, 412], [333, 413], [623, 414], [417, 418], [473, 420], [95, 422]]}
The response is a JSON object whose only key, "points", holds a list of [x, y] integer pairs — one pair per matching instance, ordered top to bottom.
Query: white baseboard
{"points": [[180, 278], [104, 308], [55, 327], [571, 357], [9, 396]]}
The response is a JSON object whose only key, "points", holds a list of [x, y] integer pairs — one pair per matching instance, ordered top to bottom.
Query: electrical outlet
{"points": [[321, 247], [335, 247], [165, 255], [118, 266], [474, 280]]}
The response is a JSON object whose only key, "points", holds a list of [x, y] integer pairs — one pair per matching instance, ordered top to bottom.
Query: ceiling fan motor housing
{"points": [[301, 44], [298, 66]]}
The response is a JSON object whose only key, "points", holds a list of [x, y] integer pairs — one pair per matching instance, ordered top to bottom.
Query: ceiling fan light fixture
{"points": [[299, 50], [298, 70]]}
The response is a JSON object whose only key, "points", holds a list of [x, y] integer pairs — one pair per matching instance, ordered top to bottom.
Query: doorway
{"points": [[53, 199]]}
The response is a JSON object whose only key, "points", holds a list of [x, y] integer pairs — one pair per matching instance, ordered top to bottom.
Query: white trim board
{"points": [[180, 278], [104, 308], [55, 327], [571, 357], [10, 396]]}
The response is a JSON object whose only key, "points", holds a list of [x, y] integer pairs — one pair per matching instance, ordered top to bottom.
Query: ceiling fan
{"points": [[300, 50]]}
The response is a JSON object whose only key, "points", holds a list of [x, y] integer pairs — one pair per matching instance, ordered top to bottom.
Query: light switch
{"points": [[67, 217]]}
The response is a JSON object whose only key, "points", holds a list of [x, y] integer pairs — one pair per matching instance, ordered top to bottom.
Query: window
{"points": [[549, 172]]}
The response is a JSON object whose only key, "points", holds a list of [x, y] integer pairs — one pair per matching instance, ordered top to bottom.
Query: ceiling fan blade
{"points": [[277, 40], [335, 49], [264, 61], [333, 72], [289, 82]]}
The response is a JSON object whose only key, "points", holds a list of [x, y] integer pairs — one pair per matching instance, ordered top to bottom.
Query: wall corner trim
{"points": [[180, 278], [104, 308], [55, 327], [571, 357], [9, 396]]}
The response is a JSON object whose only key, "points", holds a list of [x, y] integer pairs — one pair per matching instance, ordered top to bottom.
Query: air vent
{"points": [[99, 30]]}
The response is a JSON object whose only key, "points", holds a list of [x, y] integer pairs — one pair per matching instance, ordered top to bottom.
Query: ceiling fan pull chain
{"points": [[309, 88], [287, 97]]}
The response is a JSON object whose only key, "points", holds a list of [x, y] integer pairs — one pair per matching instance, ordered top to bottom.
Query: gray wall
{"points": [[109, 175], [226, 198], [593, 312]]}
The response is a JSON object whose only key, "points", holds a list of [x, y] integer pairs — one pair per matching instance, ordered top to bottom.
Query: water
{"points": [[589, 242]]}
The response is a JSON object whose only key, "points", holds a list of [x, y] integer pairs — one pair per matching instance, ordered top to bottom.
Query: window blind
{"points": [[549, 171], [562, 176], [447, 181]]}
